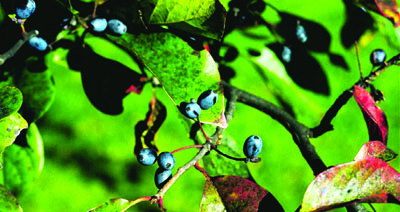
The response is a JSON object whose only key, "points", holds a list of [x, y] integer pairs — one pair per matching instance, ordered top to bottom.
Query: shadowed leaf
{"points": [[191, 73], [10, 101], [373, 115], [10, 127], [146, 130], [375, 149], [22, 165], [369, 180], [239, 194], [8, 202]]}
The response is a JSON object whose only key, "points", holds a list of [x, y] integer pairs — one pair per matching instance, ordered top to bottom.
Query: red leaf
{"points": [[387, 8], [373, 115], [375, 149], [369, 180], [239, 194]]}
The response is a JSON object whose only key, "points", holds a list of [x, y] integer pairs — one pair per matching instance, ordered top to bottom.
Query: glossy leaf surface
{"points": [[191, 73], [10, 101], [373, 115], [10, 127], [369, 180]]}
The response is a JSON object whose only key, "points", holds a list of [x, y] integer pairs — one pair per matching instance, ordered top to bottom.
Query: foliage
{"points": [[92, 100]]}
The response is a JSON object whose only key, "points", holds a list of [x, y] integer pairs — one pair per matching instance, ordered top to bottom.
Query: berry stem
{"points": [[358, 60], [202, 130], [187, 147], [254, 160], [198, 167]]}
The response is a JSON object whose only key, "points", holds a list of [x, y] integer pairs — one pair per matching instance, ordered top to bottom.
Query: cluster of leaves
{"points": [[177, 45]]}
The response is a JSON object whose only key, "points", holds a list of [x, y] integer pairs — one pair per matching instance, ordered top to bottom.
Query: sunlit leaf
{"points": [[387, 8], [205, 18], [190, 74], [10, 101], [373, 115], [10, 127], [146, 130], [375, 149], [216, 164], [22, 165], [369, 180], [239, 194], [211, 200], [8, 202], [118, 205]]}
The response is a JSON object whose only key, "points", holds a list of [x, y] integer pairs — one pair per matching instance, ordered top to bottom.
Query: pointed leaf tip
{"points": [[374, 117]]}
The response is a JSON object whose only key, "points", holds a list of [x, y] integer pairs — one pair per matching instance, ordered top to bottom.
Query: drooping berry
{"points": [[25, 11], [99, 24], [117, 26], [301, 33], [38, 43], [286, 54], [378, 56], [207, 99], [192, 109], [252, 146], [147, 157], [166, 160], [162, 177]]}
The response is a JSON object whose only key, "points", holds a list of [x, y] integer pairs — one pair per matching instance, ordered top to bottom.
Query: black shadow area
{"points": [[304, 69], [104, 81]]}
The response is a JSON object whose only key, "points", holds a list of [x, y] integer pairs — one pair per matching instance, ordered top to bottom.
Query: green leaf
{"points": [[206, 18], [183, 72], [38, 90], [11, 100], [10, 127], [215, 164], [22, 165], [370, 180], [211, 200], [8, 202], [117, 205]]}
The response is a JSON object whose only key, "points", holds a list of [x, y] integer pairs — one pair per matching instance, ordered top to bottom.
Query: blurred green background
{"points": [[89, 155]]}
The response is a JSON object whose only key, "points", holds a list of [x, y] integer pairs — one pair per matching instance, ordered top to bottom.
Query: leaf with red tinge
{"points": [[387, 8], [373, 115], [146, 130], [375, 149], [369, 180], [239, 194], [211, 200]]}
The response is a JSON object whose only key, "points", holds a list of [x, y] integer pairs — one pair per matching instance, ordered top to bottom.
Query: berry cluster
{"points": [[101, 24], [205, 101], [165, 160]]}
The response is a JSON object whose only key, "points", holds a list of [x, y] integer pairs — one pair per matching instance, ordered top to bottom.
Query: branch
{"points": [[10, 53], [325, 124]]}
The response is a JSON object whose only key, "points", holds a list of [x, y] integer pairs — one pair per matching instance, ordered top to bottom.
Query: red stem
{"points": [[202, 130], [187, 147]]}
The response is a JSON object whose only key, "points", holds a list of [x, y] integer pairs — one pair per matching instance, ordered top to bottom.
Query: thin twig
{"points": [[10, 53]]}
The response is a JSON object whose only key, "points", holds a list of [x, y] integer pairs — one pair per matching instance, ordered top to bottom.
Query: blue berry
{"points": [[26, 10], [99, 24], [117, 26], [301, 33], [38, 43], [286, 54], [378, 56], [207, 99], [193, 110], [252, 146], [147, 157], [166, 160], [162, 177]]}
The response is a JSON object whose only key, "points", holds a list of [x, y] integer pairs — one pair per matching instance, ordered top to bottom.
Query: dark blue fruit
{"points": [[26, 10], [99, 24], [117, 26], [301, 33], [38, 43], [378, 56], [207, 99], [193, 110], [252, 146], [147, 157], [166, 160], [162, 177]]}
